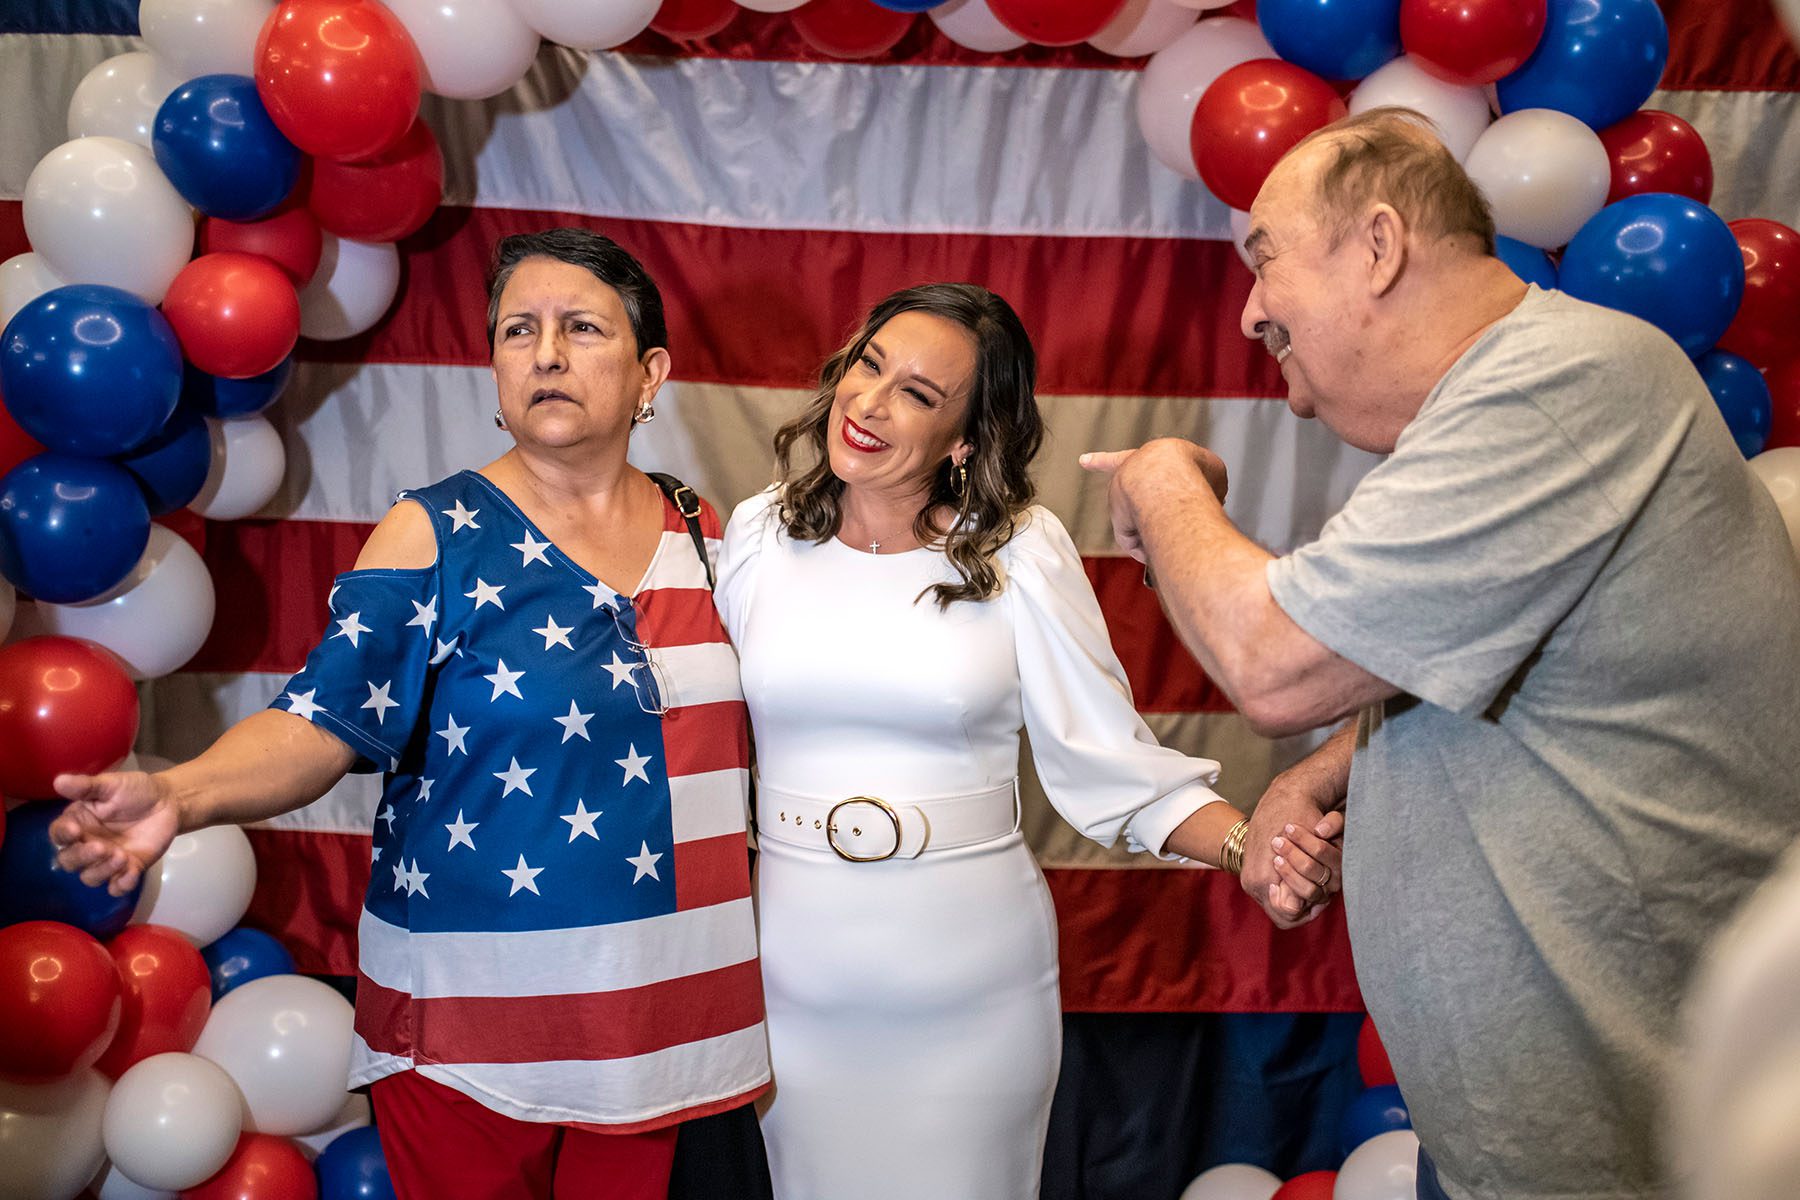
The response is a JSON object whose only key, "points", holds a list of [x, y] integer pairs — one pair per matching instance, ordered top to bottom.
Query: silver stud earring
{"points": [[644, 415], [499, 419]]}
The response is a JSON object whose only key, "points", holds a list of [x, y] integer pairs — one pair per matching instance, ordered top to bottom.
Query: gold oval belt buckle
{"points": [[831, 829]]}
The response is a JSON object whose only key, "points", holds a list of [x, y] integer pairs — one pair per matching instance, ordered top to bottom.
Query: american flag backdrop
{"points": [[774, 194]]}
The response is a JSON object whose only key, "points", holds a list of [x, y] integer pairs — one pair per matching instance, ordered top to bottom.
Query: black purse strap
{"points": [[687, 502]]}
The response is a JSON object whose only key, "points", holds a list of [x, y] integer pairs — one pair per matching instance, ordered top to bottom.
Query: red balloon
{"points": [[691, 20], [1056, 22], [850, 28], [1471, 42], [340, 78], [1252, 115], [1654, 151], [380, 199], [289, 238], [237, 315], [1763, 330], [1784, 391], [15, 444], [65, 705], [167, 996], [59, 1001], [1372, 1057], [262, 1167], [1314, 1185]]}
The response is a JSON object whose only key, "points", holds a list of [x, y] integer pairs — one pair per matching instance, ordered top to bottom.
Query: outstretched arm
{"points": [[1167, 511]]}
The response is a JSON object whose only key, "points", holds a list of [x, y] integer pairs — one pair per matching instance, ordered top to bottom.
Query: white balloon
{"points": [[770, 6], [588, 24], [972, 25], [1144, 27], [204, 37], [470, 49], [1169, 89], [119, 98], [1461, 114], [1544, 173], [98, 210], [1240, 229], [23, 278], [351, 290], [248, 461], [1779, 469], [9, 601], [156, 619], [202, 886], [285, 1039], [353, 1115], [172, 1121], [50, 1146], [1386, 1167], [1233, 1181], [113, 1184]]}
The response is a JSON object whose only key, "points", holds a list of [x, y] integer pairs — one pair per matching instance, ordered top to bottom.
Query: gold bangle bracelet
{"points": [[1231, 850]]}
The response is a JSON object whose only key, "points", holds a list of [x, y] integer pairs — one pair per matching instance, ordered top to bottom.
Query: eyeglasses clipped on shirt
{"points": [[648, 685]]}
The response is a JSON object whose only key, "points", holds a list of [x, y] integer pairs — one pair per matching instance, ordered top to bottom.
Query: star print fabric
{"points": [[558, 919]]}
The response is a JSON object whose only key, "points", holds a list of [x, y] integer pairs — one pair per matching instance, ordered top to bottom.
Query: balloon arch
{"points": [[140, 348]]}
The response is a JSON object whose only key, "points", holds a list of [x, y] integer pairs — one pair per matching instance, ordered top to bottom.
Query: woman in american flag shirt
{"points": [[557, 956]]}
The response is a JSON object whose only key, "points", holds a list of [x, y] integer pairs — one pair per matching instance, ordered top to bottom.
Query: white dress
{"points": [[913, 1015]]}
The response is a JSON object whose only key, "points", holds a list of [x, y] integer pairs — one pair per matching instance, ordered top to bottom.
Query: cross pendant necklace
{"points": [[874, 547]]}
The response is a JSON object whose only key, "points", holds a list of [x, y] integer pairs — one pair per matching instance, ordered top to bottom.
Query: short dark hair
{"points": [[1393, 155], [596, 253], [1004, 430]]}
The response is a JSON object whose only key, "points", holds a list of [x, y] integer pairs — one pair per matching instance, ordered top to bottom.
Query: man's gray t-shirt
{"points": [[1591, 608]]}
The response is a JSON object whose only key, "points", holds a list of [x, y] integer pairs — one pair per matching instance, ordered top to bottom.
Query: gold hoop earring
{"points": [[644, 415], [499, 419], [959, 479]]}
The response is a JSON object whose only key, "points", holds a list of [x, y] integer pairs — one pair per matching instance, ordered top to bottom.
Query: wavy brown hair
{"points": [[1003, 429]]}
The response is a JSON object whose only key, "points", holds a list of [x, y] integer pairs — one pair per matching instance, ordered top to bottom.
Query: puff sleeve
{"points": [[752, 524], [1100, 765]]}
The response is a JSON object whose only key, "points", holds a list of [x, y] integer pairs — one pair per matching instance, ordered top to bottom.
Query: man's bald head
{"points": [[1387, 156]]}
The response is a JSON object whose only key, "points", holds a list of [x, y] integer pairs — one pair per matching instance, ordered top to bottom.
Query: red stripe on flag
{"points": [[1730, 46], [1109, 315], [678, 616], [1164, 676], [706, 737], [711, 871], [309, 894], [1132, 940], [1153, 940], [597, 1026]]}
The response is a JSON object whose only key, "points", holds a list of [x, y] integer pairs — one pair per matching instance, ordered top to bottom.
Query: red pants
{"points": [[440, 1144]]}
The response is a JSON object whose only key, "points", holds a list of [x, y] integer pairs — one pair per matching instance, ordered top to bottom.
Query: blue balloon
{"points": [[1337, 39], [1598, 61], [215, 141], [1662, 257], [1527, 262], [90, 370], [1742, 395], [226, 398], [171, 467], [70, 528], [32, 888], [242, 955], [1377, 1110], [353, 1168]]}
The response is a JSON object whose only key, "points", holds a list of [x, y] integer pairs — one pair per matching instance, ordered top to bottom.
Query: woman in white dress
{"points": [[901, 612]]}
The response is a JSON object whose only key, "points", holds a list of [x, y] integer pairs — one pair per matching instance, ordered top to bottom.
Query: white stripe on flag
{"points": [[362, 443], [709, 804], [558, 962]]}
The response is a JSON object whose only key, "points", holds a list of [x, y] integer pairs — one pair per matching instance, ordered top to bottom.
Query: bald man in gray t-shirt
{"points": [[1566, 618]]}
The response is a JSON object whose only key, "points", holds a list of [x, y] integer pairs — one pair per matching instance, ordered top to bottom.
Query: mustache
{"points": [[1275, 340]]}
